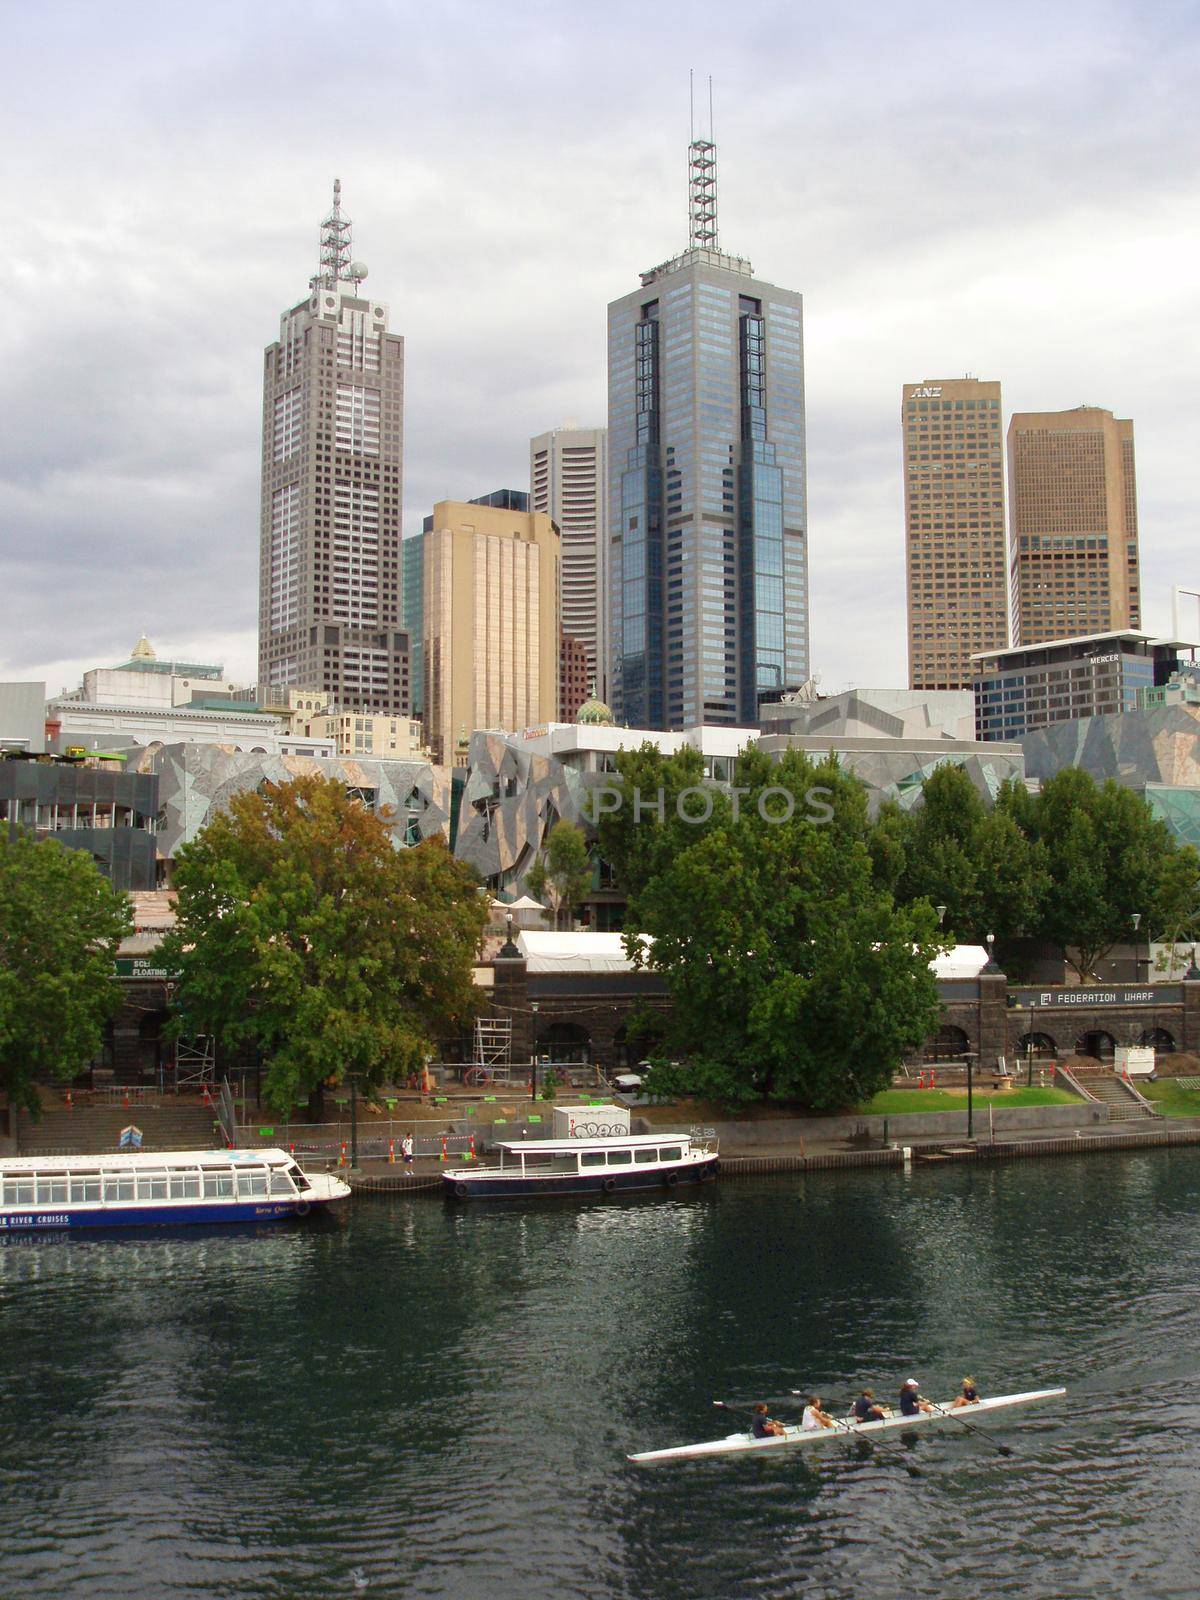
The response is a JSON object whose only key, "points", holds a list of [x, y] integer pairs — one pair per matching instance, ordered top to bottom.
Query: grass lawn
{"points": [[1171, 1098], [895, 1102]]}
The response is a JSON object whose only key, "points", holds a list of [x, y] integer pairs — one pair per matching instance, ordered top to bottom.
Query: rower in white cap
{"points": [[911, 1401]]}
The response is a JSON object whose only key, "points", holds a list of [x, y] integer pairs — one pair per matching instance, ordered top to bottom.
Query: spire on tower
{"points": [[702, 184], [335, 242]]}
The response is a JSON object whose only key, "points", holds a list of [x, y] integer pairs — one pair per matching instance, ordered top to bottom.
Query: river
{"points": [[427, 1401]]}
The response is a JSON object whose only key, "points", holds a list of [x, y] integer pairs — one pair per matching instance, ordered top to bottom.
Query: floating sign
{"points": [[140, 967]]}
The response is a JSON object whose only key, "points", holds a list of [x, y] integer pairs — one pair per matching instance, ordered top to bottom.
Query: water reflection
{"points": [[440, 1398]]}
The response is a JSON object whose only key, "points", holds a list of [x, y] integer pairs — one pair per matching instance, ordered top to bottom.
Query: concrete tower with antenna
{"points": [[332, 482], [707, 545]]}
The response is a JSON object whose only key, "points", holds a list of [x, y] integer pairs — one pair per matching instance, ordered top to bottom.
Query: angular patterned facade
{"points": [[195, 781]]}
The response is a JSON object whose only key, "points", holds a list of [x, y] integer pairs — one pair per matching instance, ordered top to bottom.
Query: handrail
{"points": [[1072, 1082], [226, 1114]]}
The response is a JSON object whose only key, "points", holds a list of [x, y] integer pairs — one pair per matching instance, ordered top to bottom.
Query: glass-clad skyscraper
{"points": [[708, 563]]}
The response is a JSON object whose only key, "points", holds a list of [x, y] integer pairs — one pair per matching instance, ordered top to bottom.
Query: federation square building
{"points": [[708, 528]]}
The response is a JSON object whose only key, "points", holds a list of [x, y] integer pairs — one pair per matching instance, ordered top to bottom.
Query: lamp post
{"points": [[941, 911], [1136, 919], [533, 1006], [970, 1055], [353, 1121]]}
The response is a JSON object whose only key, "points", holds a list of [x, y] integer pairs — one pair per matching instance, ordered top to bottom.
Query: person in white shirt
{"points": [[814, 1417]]}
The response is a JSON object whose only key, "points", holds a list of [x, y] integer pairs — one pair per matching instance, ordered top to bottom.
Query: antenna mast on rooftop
{"points": [[702, 177], [335, 242]]}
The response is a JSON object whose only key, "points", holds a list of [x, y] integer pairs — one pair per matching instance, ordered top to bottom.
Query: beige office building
{"points": [[568, 480], [1073, 499], [954, 528], [490, 628]]}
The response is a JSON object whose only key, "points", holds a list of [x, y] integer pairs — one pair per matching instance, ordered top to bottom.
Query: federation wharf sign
{"points": [[1159, 994]]}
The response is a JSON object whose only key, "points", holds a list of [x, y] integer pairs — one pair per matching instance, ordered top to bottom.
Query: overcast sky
{"points": [[1009, 192]]}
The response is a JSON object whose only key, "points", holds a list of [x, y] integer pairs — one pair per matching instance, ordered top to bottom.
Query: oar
{"points": [[947, 1411], [848, 1431]]}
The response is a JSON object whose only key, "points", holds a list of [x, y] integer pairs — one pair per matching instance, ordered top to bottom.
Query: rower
{"points": [[969, 1396], [911, 1401], [864, 1408], [814, 1417], [761, 1425]]}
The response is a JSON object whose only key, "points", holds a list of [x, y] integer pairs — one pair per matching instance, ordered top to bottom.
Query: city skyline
{"points": [[130, 459]]}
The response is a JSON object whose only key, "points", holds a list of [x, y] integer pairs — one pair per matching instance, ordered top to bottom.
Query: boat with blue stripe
{"points": [[160, 1189]]}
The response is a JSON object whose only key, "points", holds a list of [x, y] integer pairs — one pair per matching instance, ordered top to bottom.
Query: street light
{"points": [[941, 911], [1136, 919], [533, 1006], [970, 1055], [353, 1076]]}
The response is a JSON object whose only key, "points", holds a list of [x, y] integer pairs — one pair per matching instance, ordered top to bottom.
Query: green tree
{"points": [[953, 851], [1108, 858], [564, 874], [60, 924], [303, 931], [792, 974]]}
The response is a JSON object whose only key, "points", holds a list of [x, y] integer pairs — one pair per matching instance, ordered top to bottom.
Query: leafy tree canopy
{"points": [[564, 874], [60, 924], [303, 931], [792, 974]]}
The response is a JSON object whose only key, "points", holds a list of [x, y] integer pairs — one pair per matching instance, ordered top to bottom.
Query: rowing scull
{"points": [[743, 1443]]}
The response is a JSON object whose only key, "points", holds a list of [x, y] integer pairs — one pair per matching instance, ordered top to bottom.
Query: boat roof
{"points": [[624, 1140], [135, 1159]]}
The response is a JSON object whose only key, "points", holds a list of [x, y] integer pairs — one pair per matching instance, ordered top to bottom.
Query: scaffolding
{"points": [[493, 1043], [196, 1062]]}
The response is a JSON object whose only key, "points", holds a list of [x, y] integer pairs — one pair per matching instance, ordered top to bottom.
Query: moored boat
{"points": [[588, 1166], [158, 1189], [744, 1443]]}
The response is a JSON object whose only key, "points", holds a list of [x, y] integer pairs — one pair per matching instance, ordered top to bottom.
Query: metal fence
{"points": [[378, 1141]]}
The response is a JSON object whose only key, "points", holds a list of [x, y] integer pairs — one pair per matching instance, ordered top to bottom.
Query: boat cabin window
{"points": [[671, 1153], [591, 1158], [620, 1158], [645, 1158], [537, 1160], [298, 1178], [252, 1182], [280, 1183], [218, 1185], [118, 1186], [152, 1186], [185, 1186], [85, 1187], [18, 1191], [52, 1191]]}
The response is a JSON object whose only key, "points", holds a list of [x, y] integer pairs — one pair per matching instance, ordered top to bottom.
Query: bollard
{"points": [[472, 1147], [391, 1152], [342, 1157], [443, 1157]]}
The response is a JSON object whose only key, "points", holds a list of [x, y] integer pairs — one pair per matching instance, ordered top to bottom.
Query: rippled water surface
{"points": [[425, 1401]]}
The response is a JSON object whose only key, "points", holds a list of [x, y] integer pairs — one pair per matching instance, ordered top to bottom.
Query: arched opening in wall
{"points": [[1160, 1041], [564, 1044], [950, 1044], [1097, 1044], [1038, 1045], [631, 1047], [154, 1052], [104, 1058]]}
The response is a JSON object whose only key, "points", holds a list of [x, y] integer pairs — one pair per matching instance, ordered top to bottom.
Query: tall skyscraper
{"points": [[332, 459], [568, 478], [1073, 498], [954, 528], [708, 559], [490, 627]]}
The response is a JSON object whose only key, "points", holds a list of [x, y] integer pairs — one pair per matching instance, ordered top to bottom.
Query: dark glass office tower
{"points": [[708, 562]]}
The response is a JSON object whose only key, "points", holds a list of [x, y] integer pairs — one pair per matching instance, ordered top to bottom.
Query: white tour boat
{"points": [[588, 1166], [158, 1189], [744, 1443]]}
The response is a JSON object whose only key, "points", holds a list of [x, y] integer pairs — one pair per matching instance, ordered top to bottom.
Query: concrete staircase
{"points": [[1125, 1104], [96, 1130]]}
